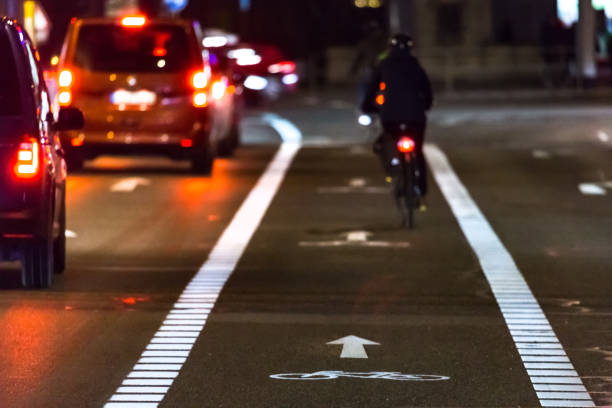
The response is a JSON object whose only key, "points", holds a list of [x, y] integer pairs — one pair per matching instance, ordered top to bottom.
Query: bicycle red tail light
{"points": [[406, 145], [28, 159]]}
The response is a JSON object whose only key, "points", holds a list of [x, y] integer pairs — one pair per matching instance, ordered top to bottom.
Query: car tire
{"points": [[202, 162], [74, 163], [59, 245], [38, 263]]}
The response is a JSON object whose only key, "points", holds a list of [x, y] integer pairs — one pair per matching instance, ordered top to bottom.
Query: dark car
{"points": [[146, 87], [33, 171]]}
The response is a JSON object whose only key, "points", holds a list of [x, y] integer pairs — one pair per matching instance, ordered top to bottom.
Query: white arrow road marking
{"points": [[129, 184], [355, 185], [592, 189], [71, 234], [356, 239], [511, 292], [353, 346]]}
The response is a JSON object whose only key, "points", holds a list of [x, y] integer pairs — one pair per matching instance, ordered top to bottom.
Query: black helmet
{"points": [[401, 42]]}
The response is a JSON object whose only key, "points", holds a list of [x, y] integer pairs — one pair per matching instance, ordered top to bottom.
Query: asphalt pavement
{"points": [[286, 280]]}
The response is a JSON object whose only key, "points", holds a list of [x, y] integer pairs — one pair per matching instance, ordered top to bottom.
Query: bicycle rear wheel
{"points": [[409, 192]]}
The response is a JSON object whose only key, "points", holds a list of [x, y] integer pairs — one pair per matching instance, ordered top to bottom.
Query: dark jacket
{"points": [[407, 91]]}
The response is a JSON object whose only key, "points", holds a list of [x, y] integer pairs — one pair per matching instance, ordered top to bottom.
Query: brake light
{"points": [[133, 21], [285, 67], [65, 78], [199, 80], [64, 98], [200, 100], [186, 143], [405, 144], [27, 159]]}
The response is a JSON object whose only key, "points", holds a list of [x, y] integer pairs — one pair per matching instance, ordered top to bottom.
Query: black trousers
{"points": [[392, 131]]}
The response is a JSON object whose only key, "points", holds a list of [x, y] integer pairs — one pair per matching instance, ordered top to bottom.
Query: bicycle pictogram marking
{"points": [[373, 375]]}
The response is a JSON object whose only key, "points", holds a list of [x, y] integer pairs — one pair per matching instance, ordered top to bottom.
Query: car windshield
{"points": [[153, 48], [10, 103]]}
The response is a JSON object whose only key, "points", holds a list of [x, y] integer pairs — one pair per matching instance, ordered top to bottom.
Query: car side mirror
{"points": [[70, 119]]}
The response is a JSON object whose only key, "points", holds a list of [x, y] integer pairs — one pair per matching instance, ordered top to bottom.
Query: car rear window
{"points": [[153, 48], [10, 102]]}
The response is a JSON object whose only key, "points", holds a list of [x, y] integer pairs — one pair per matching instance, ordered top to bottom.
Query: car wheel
{"points": [[202, 162], [74, 163], [59, 245], [38, 263]]}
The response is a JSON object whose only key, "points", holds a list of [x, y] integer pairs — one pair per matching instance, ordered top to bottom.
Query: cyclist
{"points": [[399, 90]]}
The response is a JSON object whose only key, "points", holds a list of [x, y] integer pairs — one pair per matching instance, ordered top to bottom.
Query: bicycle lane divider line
{"points": [[161, 362], [553, 376]]}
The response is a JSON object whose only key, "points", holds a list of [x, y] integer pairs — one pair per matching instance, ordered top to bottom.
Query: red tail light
{"points": [[285, 67], [406, 145], [28, 157]]}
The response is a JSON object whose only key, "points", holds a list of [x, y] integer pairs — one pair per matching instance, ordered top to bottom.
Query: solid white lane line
{"points": [[218, 268], [502, 273], [131, 405]]}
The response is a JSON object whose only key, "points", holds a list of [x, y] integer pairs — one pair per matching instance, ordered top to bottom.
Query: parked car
{"points": [[144, 86], [33, 176]]}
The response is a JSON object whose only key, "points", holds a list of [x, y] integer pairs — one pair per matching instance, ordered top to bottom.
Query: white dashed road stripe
{"points": [[158, 366], [550, 376]]}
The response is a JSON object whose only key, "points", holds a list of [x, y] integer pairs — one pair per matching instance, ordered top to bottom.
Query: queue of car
{"points": [[129, 85]]}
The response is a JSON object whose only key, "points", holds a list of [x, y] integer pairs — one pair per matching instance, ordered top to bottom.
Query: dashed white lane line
{"points": [[603, 136], [130, 184], [591, 189], [524, 316], [159, 365]]}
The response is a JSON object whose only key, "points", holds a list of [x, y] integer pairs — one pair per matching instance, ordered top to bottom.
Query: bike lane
{"points": [[528, 179], [330, 261]]}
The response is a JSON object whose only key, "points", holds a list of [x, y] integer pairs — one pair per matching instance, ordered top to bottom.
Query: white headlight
{"points": [[256, 83], [365, 120]]}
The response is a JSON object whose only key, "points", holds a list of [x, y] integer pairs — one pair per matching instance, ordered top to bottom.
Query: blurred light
{"points": [[361, 3], [374, 3], [133, 21], [215, 41], [160, 52], [241, 53], [54, 60], [248, 61], [161, 63], [285, 67], [112, 77], [65, 79], [290, 79], [199, 80], [256, 82], [382, 86], [218, 90], [124, 97], [64, 98], [200, 100], [380, 100], [365, 120], [77, 141], [186, 143], [405, 144], [27, 159]]}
